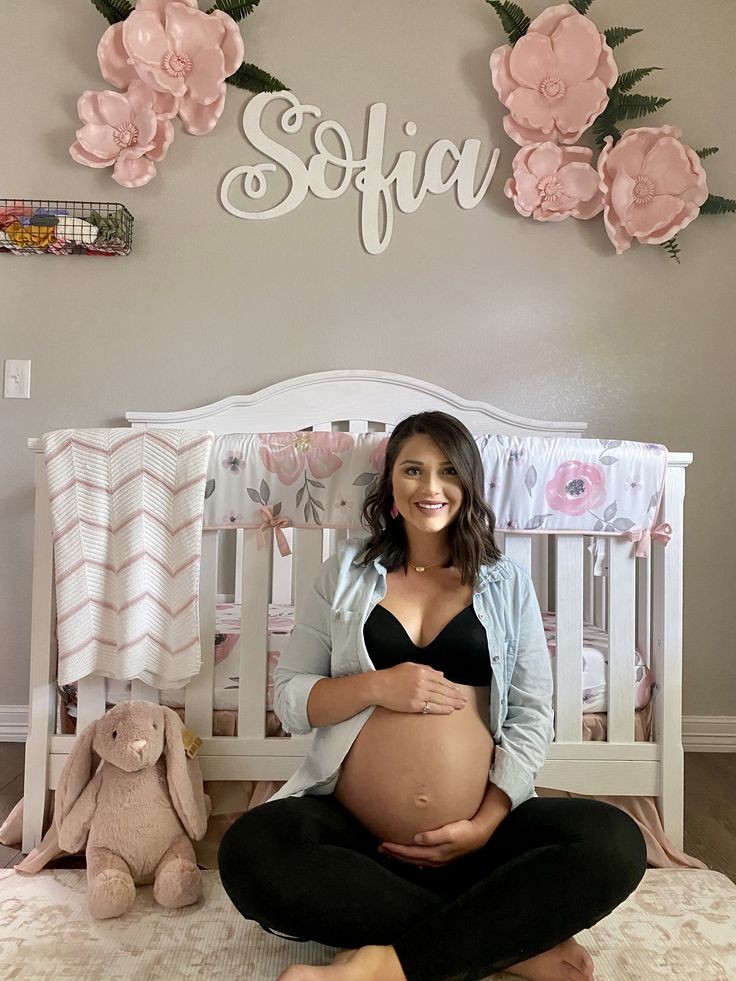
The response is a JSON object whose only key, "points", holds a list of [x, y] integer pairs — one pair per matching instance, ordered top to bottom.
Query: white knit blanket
{"points": [[126, 510]]}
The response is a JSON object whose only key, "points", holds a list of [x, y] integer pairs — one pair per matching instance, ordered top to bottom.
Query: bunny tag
{"points": [[192, 742]]}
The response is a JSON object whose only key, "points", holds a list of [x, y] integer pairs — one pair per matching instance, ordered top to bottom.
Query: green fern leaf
{"points": [[581, 5], [237, 9], [113, 10], [515, 22], [617, 35], [255, 80], [627, 80], [636, 106], [707, 151], [713, 205], [672, 249]]}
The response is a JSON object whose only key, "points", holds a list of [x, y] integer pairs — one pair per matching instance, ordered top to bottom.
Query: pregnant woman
{"points": [[411, 834]]}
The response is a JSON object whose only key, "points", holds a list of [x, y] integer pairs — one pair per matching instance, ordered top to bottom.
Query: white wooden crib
{"points": [[638, 602]]}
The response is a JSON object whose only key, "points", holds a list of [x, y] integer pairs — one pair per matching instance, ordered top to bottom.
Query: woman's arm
{"points": [[528, 728]]}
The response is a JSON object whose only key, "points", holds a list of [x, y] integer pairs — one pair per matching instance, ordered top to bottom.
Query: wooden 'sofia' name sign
{"points": [[366, 172]]}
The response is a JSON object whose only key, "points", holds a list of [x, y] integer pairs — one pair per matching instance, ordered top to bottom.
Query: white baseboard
{"points": [[13, 723], [700, 733], [709, 733]]}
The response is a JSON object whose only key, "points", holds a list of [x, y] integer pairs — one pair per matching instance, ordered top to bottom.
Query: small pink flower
{"points": [[180, 52], [554, 80], [122, 131], [551, 183], [652, 184], [287, 454], [378, 455], [232, 461], [634, 484], [576, 488], [232, 517]]}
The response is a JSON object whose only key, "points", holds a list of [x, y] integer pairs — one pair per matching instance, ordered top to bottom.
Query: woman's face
{"points": [[426, 487]]}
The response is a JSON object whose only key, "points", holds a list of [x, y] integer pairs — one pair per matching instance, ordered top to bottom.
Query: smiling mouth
{"points": [[430, 507]]}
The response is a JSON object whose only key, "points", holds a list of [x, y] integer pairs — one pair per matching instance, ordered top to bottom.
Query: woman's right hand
{"points": [[408, 687]]}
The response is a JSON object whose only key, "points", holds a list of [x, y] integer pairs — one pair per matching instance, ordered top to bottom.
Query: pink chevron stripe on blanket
{"points": [[126, 514]]}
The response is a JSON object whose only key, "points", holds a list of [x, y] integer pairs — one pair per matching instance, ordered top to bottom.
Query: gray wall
{"points": [[541, 319]]}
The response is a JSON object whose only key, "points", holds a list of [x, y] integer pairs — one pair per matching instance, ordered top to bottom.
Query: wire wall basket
{"points": [[29, 227]]}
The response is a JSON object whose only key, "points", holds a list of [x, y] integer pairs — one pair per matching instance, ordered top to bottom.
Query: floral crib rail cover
{"points": [[535, 484]]}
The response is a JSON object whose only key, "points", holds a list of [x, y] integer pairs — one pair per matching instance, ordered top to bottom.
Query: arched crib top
{"points": [[318, 400]]}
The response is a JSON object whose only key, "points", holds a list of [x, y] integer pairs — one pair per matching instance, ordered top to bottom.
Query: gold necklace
{"points": [[423, 568]]}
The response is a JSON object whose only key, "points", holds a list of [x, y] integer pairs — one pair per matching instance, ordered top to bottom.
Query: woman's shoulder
{"points": [[505, 570]]}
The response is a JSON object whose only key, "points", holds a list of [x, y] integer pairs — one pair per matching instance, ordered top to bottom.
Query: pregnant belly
{"points": [[408, 772]]}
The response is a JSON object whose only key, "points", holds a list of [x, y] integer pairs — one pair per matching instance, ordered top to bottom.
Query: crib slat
{"points": [[519, 548], [307, 561], [540, 569], [281, 577], [588, 581], [600, 594], [644, 608], [621, 636], [254, 637], [569, 640], [199, 692], [90, 700]]}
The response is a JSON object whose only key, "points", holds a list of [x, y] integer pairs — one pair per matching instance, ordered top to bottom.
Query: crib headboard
{"points": [[356, 400]]}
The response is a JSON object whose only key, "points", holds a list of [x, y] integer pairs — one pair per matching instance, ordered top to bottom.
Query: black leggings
{"points": [[306, 868]]}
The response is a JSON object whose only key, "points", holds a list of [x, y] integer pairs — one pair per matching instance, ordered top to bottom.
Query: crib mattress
{"points": [[281, 622]]}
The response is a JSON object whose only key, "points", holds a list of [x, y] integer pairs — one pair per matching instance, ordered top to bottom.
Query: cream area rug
{"points": [[679, 924]]}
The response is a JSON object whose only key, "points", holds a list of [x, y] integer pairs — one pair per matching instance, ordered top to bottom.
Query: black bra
{"points": [[459, 651]]}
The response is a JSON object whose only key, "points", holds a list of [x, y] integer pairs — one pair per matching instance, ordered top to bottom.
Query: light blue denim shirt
{"points": [[327, 642]]}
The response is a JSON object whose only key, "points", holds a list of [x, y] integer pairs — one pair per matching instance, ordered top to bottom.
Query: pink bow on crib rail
{"points": [[271, 522], [662, 533]]}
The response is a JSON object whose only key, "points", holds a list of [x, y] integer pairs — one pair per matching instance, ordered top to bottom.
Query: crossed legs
{"points": [[305, 868]]}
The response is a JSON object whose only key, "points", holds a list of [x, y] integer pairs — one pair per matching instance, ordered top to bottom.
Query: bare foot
{"points": [[567, 961], [366, 964]]}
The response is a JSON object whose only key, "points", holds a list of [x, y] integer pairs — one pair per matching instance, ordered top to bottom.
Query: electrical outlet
{"points": [[17, 380]]}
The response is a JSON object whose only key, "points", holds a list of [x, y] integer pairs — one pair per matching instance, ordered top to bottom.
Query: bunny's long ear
{"points": [[78, 770], [184, 778]]}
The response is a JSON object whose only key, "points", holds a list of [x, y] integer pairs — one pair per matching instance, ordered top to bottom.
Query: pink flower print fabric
{"points": [[288, 454], [533, 483], [576, 488]]}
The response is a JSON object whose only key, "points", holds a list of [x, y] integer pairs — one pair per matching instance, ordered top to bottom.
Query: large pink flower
{"points": [[180, 52], [554, 80], [121, 130], [550, 183], [653, 186], [287, 454], [378, 455], [576, 488]]}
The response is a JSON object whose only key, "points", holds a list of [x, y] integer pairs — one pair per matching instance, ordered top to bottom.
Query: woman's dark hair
{"points": [[470, 534]]}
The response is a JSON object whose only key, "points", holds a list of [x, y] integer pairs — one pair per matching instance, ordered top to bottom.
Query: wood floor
{"points": [[710, 814]]}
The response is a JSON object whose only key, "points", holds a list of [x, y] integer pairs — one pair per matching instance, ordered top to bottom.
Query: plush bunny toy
{"points": [[137, 812]]}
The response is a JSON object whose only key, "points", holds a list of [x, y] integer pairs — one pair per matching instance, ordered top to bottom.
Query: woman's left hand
{"points": [[438, 847]]}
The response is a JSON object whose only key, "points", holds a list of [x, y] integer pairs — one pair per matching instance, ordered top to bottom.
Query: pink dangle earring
{"points": [[394, 510]]}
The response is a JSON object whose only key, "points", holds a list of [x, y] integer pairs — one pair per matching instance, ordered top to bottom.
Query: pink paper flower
{"points": [[180, 52], [554, 80], [121, 130], [551, 183], [653, 186], [287, 454], [576, 488]]}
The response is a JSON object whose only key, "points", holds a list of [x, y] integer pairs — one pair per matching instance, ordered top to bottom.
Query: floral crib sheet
{"points": [[534, 484]]}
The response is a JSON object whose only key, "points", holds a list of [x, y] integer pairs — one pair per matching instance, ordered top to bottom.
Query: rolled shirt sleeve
{"points": [[308, 654], [527, 730]]}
